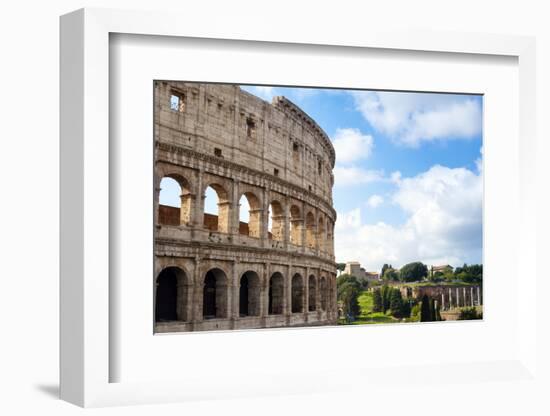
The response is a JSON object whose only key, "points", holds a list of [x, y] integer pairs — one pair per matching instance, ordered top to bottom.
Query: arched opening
{"points": [[175, 201], [216, 209], [250, 215], [296, 222], [276, 224], [310, 230], [321, 234], [312, 290], [323, 293], [276, 294], [297, 294], [171, 295], [249, 295], [214, 304]]}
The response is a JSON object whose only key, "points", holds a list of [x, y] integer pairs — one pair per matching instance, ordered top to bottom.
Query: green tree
{"points": [[340, 267], [413, 272], [469, 273], [390, 275], [344, 279], [348, 291], [386, 293], [349, 295], [396, 303], [377, 304], [405, 309], [425, 310], [415, 313], [468, 314]]}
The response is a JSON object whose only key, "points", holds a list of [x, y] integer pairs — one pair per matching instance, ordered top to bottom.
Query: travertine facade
{"points": [[217, 272]]}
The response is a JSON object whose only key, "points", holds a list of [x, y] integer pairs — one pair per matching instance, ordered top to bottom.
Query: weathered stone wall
{"points": [[275, 155]]}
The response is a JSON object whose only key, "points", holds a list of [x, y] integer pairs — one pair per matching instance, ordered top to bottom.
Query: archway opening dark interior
{"points": [[249, 294], [276, 294], [167, 295], [209, 296], [243, 297], [214, 300], [312, 301]]}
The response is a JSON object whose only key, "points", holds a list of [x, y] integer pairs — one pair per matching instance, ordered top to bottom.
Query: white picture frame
{"points": [[86, 353]]}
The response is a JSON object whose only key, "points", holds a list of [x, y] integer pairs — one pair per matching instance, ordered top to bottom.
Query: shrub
{"points": [[468, 314]]}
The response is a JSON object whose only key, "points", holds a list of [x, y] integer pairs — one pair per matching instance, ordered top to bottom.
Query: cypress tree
{"points": [[396, 303], [377, 304]]}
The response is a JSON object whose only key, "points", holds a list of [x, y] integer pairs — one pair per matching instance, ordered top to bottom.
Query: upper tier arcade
{"points": [[277, 139]]}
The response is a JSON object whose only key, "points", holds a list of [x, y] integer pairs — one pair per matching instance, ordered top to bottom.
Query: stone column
{"points": [[156, 201], [186, 208], [234, 215], [264, 217], [198, 218], [303, 230], [286, 231], [319, 240], [198, 286], [264, 292], [233, 294], [288, 294], [306, 294], [318, 294], [457, 297], [450, 298], [189, 301], [443, 301], [464, 302], [479, 302], [472, 303]]}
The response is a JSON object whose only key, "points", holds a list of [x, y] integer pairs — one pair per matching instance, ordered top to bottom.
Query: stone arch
{"points": [[179, 213], [218, 222], [296, 225], [276, 226], [252, 227], [310, 230], [312, 291], [324, 293], [249, 294], [276, 294], [297, 294], [171, 295], [214, 304]]}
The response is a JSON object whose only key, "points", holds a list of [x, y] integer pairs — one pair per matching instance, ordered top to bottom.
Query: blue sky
{"points": [[408, 175]]}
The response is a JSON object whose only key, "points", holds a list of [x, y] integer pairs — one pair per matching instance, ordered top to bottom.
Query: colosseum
{"points": [[217, 272]]}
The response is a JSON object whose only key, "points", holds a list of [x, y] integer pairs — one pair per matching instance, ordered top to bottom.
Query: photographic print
{"points": [[292, 207]]}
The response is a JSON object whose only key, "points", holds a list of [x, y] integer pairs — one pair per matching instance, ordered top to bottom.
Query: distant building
{"points": [[354, 268], [446, 268], [372, 275]]}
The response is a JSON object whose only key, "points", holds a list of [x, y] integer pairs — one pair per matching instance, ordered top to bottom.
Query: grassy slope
{"points": [[370, 317]]}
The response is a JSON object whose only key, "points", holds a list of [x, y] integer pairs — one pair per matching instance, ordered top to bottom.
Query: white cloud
{"points": [[267, 93], [412, 118], [351, 145], [347, 176], [395, 177], [375, 201], [349, 220], [444, 223]]}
